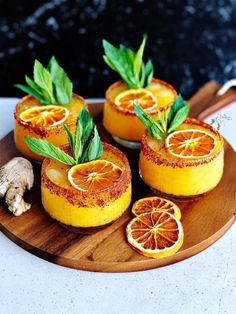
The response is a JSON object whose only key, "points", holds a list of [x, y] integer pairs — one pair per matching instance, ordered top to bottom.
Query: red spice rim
{"points": [[220, 104], [126, 112], [36, 128], [152, 155], [120, 185]]}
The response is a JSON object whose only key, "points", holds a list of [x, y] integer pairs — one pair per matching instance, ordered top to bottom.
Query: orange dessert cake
{"points": [[137, 86], [50, 104], [180, 158], [85, 184]]}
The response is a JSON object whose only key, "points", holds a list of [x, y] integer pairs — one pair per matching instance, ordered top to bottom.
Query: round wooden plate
{"points": [[204, 220]]}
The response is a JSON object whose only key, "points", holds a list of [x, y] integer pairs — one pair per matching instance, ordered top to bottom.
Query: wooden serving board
{"points": [[204, 220]]}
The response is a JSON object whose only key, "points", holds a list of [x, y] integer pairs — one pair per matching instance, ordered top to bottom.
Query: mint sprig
{"points": [[129, 64], [50, 85], [168, 120], [85, 143], [45, 149]]}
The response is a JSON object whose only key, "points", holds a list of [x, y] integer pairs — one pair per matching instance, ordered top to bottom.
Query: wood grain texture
{"points": [[204, 220]]}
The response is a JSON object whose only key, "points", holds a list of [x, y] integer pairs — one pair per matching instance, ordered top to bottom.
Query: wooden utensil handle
{"points": [[206, 97]]}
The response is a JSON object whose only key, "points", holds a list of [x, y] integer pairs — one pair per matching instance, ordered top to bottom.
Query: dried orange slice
{"points": [[141, 96], [44, 116], [191, 143], [94, 176], [153, 204], [156, 234]]}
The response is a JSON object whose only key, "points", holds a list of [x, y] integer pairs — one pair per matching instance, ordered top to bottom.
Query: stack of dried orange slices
{"points": [[156, 231]]}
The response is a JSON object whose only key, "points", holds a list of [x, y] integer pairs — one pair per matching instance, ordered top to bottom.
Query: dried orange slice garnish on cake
{"points": [[141, 96], [44, 116], [191, 143], [94, 176], [154, 204], [155, 234]]}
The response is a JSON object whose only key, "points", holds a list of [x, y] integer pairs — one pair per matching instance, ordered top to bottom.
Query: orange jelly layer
{"points": [[126, 125], [54, 134], [177, 176], [78, 208]]}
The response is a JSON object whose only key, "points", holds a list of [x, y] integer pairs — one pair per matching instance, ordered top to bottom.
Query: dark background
{"points": [[190, 42]]}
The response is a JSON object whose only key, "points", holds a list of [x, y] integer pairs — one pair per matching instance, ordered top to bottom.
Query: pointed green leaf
{"points": [[130, 55], [138, 59], [119, 61], [108, 62], [129, 64], [148, 73], [142, 76], [43, 79], [61, 83], [33, 85], [31, 91], [178, 104], [162, 118], [179, 118], [87, 125], [152, 126], [70, 137], [78, 144], [45, 149], [94, 149]]}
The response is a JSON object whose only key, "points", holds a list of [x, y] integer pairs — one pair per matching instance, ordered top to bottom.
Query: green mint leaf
{"points": [[130, 54], [138, 59], [120, 61], [108, 62], [129, 64], [148, 73], [142, 75], [43, 79], [61, 83], [33, 85], [50, 85], [31, 91], [177, 104], [179, 118], [163, 120], [87, 124], [166, 124], [152, 126], [70, 137], [90, 140], [85, 143], [78, 144], [94, 149], [48, 150]]}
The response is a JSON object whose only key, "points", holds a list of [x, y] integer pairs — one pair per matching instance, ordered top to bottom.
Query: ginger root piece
{"points": [[15, 177]]}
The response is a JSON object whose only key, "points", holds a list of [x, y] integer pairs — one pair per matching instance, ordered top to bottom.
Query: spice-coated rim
{"points": [[126, 112], [33, 127], [150, 154], [73, 194]]}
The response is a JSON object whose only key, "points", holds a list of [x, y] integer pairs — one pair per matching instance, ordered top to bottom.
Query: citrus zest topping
{"points": [[142, 97], [45, 116], [190, 143], [94, 176], [154, 204], [156, 234]]}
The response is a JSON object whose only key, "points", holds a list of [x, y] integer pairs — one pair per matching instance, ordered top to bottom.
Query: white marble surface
{"points": [[205, 283]]}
